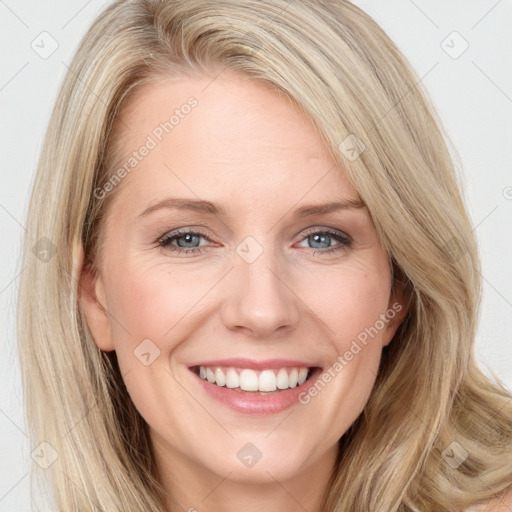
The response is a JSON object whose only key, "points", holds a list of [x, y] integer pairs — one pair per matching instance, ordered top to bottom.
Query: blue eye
{"points": [[320, 238], [186, 241], [189, 242]]}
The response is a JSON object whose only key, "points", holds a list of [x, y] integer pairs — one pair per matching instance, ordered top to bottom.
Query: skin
{"points": [[252, 150]]}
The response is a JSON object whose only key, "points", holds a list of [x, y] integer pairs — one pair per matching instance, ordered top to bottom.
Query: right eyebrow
{"points": [[196, 205]]}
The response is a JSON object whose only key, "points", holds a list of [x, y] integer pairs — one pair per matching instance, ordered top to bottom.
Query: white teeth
{"points": [[210, 375], [220, 378], [292, 378], [232, 379], [282, 379], [248, 380], [251, 380], [267, 381]]}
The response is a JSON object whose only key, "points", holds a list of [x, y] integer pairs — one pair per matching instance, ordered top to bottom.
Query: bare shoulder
{"points": [[503, 504]]}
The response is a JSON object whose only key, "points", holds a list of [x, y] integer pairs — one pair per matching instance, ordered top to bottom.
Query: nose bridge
{"points": [[257, 265], [258, 298]]}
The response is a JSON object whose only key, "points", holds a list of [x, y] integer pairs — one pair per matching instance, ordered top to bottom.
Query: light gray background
{"points": [[473, 94]]}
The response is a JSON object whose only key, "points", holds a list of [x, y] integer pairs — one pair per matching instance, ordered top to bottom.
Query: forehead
{"points": [[240, 135]]}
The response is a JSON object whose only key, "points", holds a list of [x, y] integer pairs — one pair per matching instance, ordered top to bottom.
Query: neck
{"points": [[194, 488]]}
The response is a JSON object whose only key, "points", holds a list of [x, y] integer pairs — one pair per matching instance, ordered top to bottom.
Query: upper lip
{"points": [[242, 362]]}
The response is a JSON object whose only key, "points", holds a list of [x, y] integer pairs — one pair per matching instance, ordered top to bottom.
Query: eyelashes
{"points": [[314, 236], [166, 240]]}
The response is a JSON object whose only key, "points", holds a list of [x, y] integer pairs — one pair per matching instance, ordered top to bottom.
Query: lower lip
{"points": [[258, 404]]}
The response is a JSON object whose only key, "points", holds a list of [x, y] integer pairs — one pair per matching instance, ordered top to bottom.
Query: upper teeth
{"points": [[251, 380]]}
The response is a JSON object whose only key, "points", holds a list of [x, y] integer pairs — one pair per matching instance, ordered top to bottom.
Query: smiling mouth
{"points": [[255, 382]]}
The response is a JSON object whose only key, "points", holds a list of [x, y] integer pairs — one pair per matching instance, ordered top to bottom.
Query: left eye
{"points": [[318, 238], [189, 241]]}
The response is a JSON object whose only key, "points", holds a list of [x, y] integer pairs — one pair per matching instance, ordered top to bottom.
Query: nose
{"points": [[258, 300]]}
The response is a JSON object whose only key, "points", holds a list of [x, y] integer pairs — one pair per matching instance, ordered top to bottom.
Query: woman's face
{"points": [[251, 289]]}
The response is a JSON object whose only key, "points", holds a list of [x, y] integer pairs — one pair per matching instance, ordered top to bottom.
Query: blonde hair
{"points": [[349, 78]]}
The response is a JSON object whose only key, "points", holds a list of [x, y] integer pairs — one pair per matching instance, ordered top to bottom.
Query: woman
{"points": [[256, 285]]}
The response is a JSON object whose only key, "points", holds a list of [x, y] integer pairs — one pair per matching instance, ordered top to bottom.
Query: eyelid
{"points": [[323, 229], [178, 232], [344, 240]]}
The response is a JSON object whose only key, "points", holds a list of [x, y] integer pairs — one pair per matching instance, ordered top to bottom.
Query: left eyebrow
{"points": [[317, 209]]}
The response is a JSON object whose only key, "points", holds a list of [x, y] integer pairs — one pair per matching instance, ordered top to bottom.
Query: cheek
{"points": [[351, 300], [150, 303], [351, 303], [145, 308], [148, 320]]}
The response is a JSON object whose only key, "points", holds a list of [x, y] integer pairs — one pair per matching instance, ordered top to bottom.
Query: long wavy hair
{"points": [[350, 79]]}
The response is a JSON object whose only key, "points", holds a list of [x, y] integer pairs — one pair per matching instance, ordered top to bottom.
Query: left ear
{"points": [[398, 305]]}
